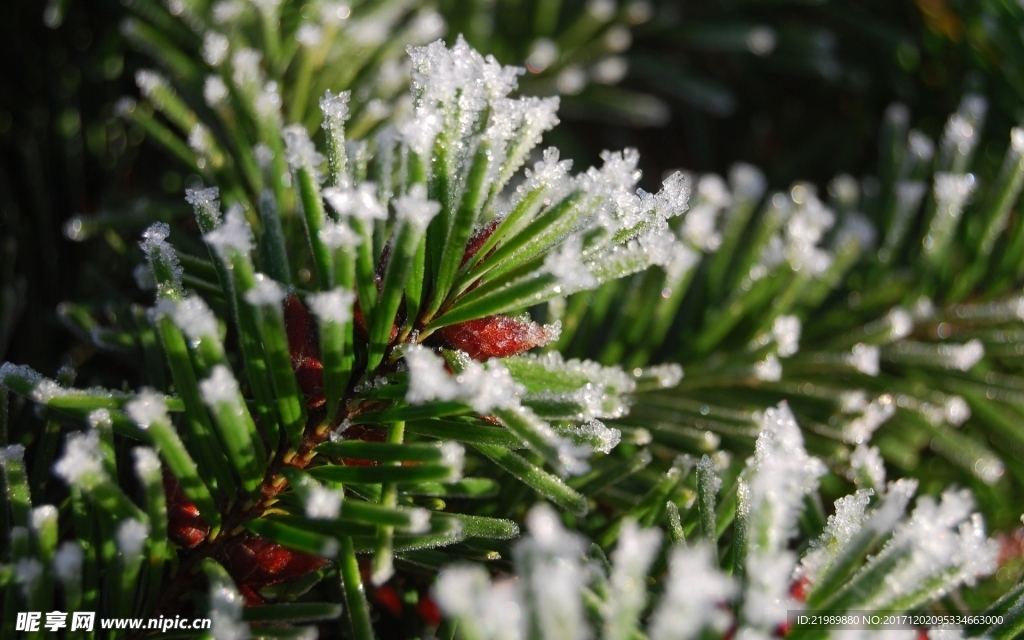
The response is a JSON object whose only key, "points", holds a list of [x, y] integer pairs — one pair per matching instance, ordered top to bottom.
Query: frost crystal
{"points": [[215, 48], [149, 82], [215, 92], [335, 110], [301, 152], [747, 182], [206, 203], [360, 203], [414, 208], [233, 235], [338, 235], [159, 251], [568, 269], [265, 293], [332, 306], [195, 319], [786, 332], [963, 356], [864, 358], [769, 369], [10, 371], [667, 375], [221, 386], [483, 387], [148, 408], [860, 429], [598, 436], [453, 455], [82, 463], [869, 463], [147, 464], [783, 474], [323, 503], [43, 516], [839, 530], [131, 536], [944, 542], [634, 552], [548, 561], [67, 562], [28, 572], [693, 597], [494, 610], [226, 613]]}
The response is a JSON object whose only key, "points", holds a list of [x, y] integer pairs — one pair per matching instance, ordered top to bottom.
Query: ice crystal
{"points": [[215, 48], [215, 92], [301, 152], [360, 203], [414, 208], [234, 234], [158, 251], [568, 269], [265, 293], [332, 306], [195, 319], [786, 332], [864, 358], [769, 369], [220, 387], [483, 387], [147, 408], [859, 430], [597, 435], [868, 461], [82, 462], [147, 464], [783, 474], [323, 502], [43, 516], [839, 530], [131, 536], [634, 552], [67, 561], [548, 563], [693, 597], [226, 613]]}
